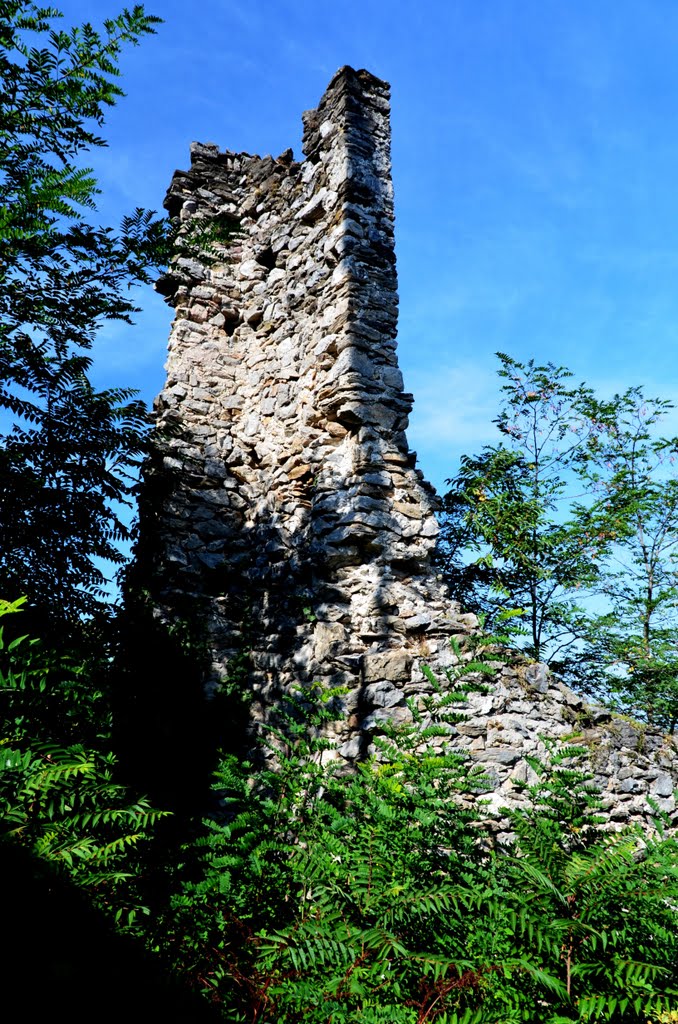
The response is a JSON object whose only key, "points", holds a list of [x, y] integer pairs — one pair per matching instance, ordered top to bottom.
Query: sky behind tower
{"points": [[535, 163]]}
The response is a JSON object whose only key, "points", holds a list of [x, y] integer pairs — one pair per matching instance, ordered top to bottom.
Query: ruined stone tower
{"points": [[299, 510], [290, 512]]}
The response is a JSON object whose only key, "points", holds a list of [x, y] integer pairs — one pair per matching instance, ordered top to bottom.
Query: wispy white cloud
{"points": [[453, 411]]}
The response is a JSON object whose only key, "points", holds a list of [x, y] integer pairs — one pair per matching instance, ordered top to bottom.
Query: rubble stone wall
{"points": [[292, 510]]}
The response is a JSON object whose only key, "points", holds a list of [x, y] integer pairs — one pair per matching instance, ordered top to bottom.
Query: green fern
{"points": [[61, 800], [322, 895]]}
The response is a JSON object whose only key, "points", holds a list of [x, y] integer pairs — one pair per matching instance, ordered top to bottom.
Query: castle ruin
{"points": [[292, 509]]}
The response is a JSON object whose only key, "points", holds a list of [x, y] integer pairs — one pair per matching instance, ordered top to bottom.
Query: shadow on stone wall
{"points": [[290, 534]]}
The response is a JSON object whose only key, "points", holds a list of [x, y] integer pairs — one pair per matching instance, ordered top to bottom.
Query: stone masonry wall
{"points": [[292, 511]]}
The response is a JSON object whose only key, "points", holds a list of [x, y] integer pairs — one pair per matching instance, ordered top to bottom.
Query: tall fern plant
{"points": [[58, 798], [335, 896], [377, 896], [596, 910]]}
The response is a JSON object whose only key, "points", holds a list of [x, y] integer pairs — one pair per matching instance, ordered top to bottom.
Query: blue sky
{"points": [[535, 162]]}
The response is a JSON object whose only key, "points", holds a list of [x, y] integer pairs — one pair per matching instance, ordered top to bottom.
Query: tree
{"points": [[68, 452], [630, 470], [579, 501], [513, 533]]}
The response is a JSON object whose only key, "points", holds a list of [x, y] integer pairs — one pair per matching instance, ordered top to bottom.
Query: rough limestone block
{"points": [[388, 665], [383, 695]]}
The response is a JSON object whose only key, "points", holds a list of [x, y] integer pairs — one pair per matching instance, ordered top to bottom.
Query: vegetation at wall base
{"points": [[60, 799], [321, 895]]}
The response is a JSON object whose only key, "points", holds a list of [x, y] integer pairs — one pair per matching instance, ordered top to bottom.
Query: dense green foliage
{"points": [[67, 453], [571, 518], [58, 796], [371, 896], [376, 896]]}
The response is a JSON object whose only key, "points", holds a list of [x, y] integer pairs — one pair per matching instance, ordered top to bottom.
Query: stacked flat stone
{"points": [[292, 512]]}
